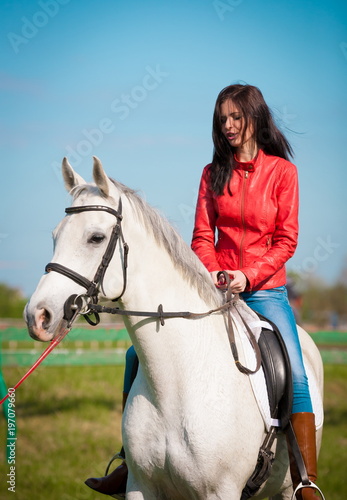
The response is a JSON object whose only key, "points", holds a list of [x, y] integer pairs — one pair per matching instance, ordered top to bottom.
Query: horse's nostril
{"points": [[46, 318]]}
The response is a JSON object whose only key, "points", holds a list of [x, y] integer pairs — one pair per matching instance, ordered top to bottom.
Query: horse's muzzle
{"points": [[39, 322]]}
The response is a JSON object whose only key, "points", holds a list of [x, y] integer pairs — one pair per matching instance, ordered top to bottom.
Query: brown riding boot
{"points": [[305, 432], [116, 482]]}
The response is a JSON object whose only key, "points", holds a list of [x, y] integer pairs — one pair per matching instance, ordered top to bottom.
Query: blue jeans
{"points": [[274, 305]]}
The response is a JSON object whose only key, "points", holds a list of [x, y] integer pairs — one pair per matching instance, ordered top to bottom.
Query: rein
{"points": [[230, 301], [87, 304], [159, 314], [231, 334]]}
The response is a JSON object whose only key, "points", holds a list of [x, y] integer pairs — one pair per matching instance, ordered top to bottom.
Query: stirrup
{"points": [[117, 456], [312, 485]]}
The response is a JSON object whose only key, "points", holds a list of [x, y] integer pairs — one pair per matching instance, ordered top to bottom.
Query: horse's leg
{"points": [[138, 490], [133, 491]]}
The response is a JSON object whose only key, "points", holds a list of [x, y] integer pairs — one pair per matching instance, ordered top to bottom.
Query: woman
{"points": [[249, 194]]}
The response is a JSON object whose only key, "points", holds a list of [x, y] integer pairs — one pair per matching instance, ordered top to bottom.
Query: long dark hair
{"points": [[254, 110]]}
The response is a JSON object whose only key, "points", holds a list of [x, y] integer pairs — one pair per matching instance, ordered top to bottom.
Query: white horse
{"points": [[191, 428]]}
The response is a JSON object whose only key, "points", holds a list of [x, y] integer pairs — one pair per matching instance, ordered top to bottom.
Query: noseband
{"points": [[93, 287]]}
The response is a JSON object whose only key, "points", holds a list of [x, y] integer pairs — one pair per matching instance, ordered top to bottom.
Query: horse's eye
{"points": [[96, 238]]}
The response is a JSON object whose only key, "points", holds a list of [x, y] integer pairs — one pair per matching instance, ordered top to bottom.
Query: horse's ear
{"points": [[71, 178], [100, 178]]}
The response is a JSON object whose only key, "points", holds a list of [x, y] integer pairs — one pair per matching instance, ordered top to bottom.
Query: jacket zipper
{"points": [[243, 196]]}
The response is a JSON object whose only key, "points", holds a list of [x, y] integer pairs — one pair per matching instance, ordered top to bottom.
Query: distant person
{"points": [[247, 224], [295, 299], [334, 320]]}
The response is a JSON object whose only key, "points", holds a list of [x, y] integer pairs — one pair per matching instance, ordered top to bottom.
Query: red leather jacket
{"points": [[257, 226]]}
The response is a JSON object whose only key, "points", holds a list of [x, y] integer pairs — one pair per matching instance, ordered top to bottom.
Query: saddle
{"points": [[277, 372]]}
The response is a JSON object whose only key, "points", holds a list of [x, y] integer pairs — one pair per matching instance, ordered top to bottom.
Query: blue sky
{"points": [[135, 83]]}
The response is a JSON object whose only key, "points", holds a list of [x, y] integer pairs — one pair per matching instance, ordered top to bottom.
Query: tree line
{"points": [[12, 302], [319, 304]]}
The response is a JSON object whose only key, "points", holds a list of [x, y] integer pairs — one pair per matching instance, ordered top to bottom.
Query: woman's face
{"points": [[233, 125]]}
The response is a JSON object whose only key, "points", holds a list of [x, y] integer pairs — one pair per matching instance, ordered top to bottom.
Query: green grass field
{"points": [[68, 426]]}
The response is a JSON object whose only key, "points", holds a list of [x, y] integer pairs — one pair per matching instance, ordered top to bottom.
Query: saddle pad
{"points": [[258, 383]]}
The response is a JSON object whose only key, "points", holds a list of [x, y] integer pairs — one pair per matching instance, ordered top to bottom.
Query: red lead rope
{"points": [[45, 353]]}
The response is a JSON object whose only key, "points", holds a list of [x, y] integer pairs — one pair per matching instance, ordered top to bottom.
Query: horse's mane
{"points": [[182, 256]]}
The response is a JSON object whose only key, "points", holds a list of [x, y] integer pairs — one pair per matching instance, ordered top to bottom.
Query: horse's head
{"points": [[85, 242]]}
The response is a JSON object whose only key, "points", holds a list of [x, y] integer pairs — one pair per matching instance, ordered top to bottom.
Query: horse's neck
{"points": [[156, 280], [171, 354]]}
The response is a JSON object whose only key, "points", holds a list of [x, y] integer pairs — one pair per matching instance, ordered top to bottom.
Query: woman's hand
{"points": [[238, 281]]}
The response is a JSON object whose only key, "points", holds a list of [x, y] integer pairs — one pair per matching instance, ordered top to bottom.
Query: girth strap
{"points": [[263, 468]]}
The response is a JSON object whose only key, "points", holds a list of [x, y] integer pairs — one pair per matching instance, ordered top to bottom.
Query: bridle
{"points": [[93, 288], [87, 304]]}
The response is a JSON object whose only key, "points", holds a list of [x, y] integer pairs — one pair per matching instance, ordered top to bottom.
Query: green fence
{"points": [[330, 338], [82, 346], [90, 346], [95, 346], [332, 346]]}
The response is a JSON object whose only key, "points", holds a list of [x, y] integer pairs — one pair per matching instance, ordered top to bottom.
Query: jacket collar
{"points": [[251, 165]]}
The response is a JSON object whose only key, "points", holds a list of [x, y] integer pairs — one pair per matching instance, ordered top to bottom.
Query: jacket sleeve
{"points": [[285, 236], [203, 242]]}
